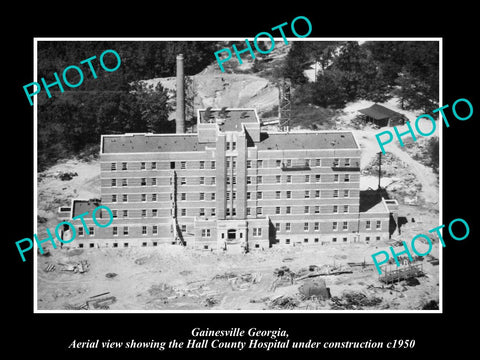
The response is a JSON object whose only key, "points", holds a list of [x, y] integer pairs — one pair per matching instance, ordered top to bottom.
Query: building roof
{"points": [[379, 112], [234, 118], [307, 140], [134, 143], [82, 206]]}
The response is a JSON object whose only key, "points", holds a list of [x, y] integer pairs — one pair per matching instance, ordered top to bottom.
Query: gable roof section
{"points": [[379, 112]]}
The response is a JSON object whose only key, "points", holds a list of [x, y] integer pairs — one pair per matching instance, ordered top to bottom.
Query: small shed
{"points": [[382, 116]]}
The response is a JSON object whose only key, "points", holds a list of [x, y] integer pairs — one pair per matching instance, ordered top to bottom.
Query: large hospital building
{"points": [[232, 185]]}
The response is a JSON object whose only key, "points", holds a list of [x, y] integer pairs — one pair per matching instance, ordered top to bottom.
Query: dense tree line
{"points": [[373, 70], [114, 102]]}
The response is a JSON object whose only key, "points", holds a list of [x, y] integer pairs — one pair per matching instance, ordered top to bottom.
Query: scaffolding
{"points": [[284, 104], [177, 231], [403, 273]]}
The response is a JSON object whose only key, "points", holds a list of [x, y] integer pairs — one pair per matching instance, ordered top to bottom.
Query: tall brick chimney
{"points": [[180, 113]]}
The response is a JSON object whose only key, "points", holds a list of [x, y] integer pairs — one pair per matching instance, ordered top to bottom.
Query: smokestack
{"points": [[180, 114]]}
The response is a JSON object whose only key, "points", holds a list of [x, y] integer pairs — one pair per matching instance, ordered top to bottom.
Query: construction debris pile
{"points": [[76, 267], [353, 300], [96, 302]]}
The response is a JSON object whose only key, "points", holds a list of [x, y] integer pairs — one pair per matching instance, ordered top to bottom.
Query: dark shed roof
{"points": [[379, 112]]}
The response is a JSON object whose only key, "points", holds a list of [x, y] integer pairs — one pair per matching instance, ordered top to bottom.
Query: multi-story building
{"points": [[230, 185]]}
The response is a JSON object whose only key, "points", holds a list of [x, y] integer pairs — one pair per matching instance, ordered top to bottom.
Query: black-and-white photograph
{"points": [[234, 175]]}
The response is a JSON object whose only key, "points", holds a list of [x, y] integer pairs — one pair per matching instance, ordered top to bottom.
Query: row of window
{"points": [[259, 163], [233, 195], [316, 226], [334, 240]]}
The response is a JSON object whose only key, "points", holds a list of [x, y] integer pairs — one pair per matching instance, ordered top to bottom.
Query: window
{"points": [[228, 145], [234, 145], [317, 162], [335, 162], [347, 162], [259, 163], [278, 163], [289, 163], [307, 163], [172, 164], [183, 164], [202, 164], [212, 164], [228, 164], [234, 164], [249, 164], [153, 165], [113, 166], [124, 166], [142, 166], [289, 178], [307, 178], [317, 178], [335, 178], [346, 178], [259, 179], [278, 179], [202, 180], [212, 180], [234, 180], [154, 181], [183, 181], [114, 182], [124, 182], [143, 182], [317, 193], [335, 193], [345, 193], [249, 194], [277, 194], [289, 194], [307, 194], [227, 195], [234, 195], [259, 195], [202, 196], [212, 196], [144, 197], [154, 197], [114, 198], [125, 198], [345, 208], [288, 209], [317, 209], [335, 209], [259, 210], [277, 210], [306, 210], [249, 211], [144, 212], [154, 212], [183, 212], [202, 212], [212, 212], [227, 212], [114, 213], [125, 213], [345, 225], [368, 225], [277, 226], [288, 226], [305, 226], [316, 226], [334, 226], [378, 226], [183, 228], [125, 230], [144, 230], [154, 230], [80, 231], [114, 231], [257, 231], [205, 232], [367, 238], [377, 238], [334, 239], [344, 239], [305, 240], [315, 240], [287, 241], [125, 244], [144, 244], [115, 245]]}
